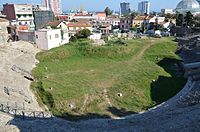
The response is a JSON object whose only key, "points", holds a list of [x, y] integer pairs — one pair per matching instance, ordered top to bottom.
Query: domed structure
{"points": [[188, 5]]}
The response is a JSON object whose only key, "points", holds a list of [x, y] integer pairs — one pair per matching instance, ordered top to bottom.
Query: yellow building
{"points": [[138, 21]]}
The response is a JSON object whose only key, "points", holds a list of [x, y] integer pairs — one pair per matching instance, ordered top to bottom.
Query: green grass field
{"points": [[79, 81]]}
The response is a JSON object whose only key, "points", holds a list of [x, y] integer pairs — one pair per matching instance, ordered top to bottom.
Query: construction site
{"points": [[20, 111]]}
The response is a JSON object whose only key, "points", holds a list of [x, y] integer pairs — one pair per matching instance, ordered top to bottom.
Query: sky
{"points": [[99, 5]]}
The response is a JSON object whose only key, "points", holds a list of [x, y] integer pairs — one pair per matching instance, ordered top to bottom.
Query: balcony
{"points": [[25, 18]]}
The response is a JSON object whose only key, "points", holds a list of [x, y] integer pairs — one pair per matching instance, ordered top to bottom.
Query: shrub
{"points": [[85, 33], [73, 39], [45, 96]]}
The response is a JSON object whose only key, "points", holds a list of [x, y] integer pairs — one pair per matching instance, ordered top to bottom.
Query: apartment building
{"points": [[20, 15]]}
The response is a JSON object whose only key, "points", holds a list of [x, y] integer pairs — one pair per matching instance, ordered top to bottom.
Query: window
{"points": [[23, 9], [29, 9], [20, 23], [26, 23], [36, 36], [56, 36], [50, 37]]}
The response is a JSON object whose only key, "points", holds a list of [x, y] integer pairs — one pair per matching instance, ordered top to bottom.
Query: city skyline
{"points": [[100, 5]]}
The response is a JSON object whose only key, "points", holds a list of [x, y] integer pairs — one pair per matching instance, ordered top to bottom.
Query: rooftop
{"points": [[54, 23], [78, 24]]}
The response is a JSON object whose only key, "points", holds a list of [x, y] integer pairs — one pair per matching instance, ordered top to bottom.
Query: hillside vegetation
{"points": [[78, 81]]}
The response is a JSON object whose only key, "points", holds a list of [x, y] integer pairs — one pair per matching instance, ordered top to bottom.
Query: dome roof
{"points": [[188, 4]]}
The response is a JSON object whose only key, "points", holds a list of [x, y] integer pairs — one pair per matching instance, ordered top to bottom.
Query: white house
{"points": [[157, 19], [75, 27], [64, 30], [95, 36], [47, 39]]}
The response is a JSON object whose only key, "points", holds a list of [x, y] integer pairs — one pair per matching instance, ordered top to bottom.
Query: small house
{"points": [[47, 39]]}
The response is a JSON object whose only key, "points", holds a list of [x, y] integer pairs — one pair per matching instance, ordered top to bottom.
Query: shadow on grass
{"points": [[172, 66], [166, 87], [113, 110], [120, 112], [86, 116], [70, 121]]}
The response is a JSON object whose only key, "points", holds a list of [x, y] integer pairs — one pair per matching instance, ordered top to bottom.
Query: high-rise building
{"points": [[54, 5], [143, 7], [125, 8]]}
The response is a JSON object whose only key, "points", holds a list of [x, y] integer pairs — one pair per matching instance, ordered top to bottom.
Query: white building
{"points": [[143, 7], [167, 11], [157, 19], [114, 21], [75, 27], [64, 30], [95, 36], [47, 39]]}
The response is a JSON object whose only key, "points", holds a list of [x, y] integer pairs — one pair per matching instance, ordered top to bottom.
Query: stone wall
{"points": [[2, 39]]}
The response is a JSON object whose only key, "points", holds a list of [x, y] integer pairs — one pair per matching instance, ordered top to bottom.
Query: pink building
{"points": [[54, 5], [101, 16]]}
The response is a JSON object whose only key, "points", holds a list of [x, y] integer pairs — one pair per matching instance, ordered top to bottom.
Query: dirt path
{"points": [[140, 53]]}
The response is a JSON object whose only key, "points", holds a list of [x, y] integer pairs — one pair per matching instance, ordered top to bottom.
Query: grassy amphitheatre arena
{"points": [[80, 81]]}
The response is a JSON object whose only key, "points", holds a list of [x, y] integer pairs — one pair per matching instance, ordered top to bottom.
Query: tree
{"points": [[108, 11], [153, 13], [134, 14], [168, 17], [179, 19], [189, 19], [197, 20], [85, 33], [73, 39]]}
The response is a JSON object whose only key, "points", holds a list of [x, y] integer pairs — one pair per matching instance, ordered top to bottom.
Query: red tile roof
{"points": [[100, 13], [83, 15], [64, 17], [54, 24], [78, 24]]}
